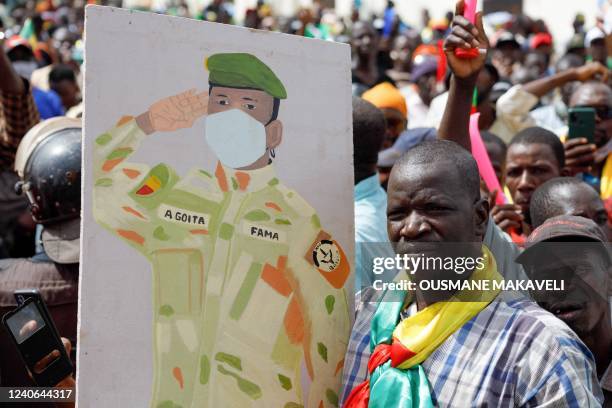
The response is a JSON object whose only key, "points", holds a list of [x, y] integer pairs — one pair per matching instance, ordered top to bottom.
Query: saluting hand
{"points": [[464, 35], [174, 112]]}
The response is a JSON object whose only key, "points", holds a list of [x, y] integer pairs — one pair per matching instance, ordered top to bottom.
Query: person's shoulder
{"points": [[526, 311], [540, 327], [546, 354]]}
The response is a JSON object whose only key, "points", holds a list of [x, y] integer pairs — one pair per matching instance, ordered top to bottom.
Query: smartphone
{"points": [[582, 124], [21, 295], [35, 336]]}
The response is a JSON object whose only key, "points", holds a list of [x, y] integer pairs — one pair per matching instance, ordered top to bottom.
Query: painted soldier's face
{"points": [[257, 104], [243, 149]]}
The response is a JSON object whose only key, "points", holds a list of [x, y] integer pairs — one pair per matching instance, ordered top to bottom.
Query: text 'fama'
{"points": [[263, 233]]}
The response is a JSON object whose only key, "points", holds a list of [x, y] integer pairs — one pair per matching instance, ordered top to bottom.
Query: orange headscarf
{"points": [[386, 96]]}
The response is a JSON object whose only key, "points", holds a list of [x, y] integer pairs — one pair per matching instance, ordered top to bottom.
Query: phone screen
{"points": [[25, 323]]}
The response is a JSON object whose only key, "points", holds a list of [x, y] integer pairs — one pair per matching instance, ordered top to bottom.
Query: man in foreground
{"points": [[425, 350]]}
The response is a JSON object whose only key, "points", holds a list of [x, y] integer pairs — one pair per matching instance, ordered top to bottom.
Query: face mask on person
{"points": [[24, 68], [236, 138]]}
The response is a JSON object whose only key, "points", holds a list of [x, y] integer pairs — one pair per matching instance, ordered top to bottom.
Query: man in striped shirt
{"points": [[511, 353]]}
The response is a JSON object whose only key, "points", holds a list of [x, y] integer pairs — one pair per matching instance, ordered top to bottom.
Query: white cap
{"points": [[594, 33]]}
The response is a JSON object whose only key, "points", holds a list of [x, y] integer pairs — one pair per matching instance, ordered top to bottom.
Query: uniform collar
{"points": [[245, 180]]}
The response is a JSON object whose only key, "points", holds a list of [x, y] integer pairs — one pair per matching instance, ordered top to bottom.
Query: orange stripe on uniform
{"points": [[110, 164], [131, 173], [220, 174], [243, 180], [274, 206], [132, 211], [199, 231], [131, 236], [275, 277], [294, 322], [298, 328], [339, 366], [178, 374]]}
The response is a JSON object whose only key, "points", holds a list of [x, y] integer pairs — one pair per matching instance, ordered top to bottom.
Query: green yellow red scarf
{"points": [[396, 376]]}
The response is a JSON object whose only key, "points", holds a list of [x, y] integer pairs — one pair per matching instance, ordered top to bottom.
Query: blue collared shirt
{"points": [[371, 239]]}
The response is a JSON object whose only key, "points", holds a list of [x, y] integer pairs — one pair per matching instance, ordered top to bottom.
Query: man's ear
{"points": [[274, 134], [481, 217]]}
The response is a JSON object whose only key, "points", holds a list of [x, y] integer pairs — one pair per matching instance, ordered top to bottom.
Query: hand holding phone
{"points": [[582, 123], [40, 346]]}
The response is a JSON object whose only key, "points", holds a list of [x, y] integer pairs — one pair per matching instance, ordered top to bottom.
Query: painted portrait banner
{"points": [[217, 241]]}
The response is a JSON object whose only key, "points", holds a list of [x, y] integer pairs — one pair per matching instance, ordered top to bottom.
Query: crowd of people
{"points": [[415, 181]]}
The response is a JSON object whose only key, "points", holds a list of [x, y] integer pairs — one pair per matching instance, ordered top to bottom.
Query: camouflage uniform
{"points": [[248, 291]]}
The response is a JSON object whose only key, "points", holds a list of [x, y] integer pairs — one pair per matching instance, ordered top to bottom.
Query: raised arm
{"points": [[464, 35], [542, 86], [127, 195]]}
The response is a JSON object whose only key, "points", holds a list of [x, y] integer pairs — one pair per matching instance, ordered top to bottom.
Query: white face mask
{"points": [[24, 68], [237, 139]]}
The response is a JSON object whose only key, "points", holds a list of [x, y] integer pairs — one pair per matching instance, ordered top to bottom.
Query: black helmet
{"points": [[49, 163]]}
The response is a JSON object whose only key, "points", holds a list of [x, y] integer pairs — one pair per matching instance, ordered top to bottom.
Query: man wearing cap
{"points": [[542, 43], [595, 43], [506, 53], [424, 85], [390, 101], [406, 141], [50, 175], [573, 249], [249, 300]]}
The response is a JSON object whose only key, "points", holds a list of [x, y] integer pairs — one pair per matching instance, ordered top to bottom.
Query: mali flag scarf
{"points": [[396, 377]]}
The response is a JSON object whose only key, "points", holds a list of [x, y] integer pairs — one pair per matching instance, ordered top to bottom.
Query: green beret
{"points": [[239, 70]]}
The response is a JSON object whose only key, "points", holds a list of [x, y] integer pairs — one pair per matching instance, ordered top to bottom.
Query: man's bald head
{"points": [[448, 154], [568, 196]]}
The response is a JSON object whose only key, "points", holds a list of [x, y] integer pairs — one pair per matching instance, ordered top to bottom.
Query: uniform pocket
{"points": [[178, 281]]}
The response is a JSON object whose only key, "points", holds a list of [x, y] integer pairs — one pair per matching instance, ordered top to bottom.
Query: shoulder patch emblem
{"points": [[327, 256]]}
